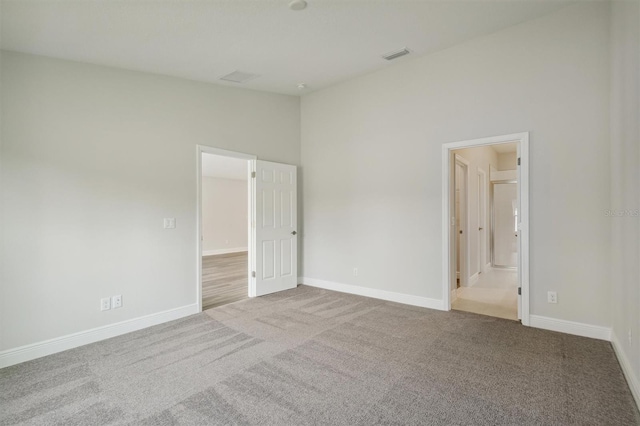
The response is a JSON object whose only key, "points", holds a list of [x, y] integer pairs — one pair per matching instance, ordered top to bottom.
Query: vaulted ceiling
{"points": [[328, 42]]}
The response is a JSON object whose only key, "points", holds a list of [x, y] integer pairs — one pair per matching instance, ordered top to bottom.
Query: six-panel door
{"points": [[276, 222]]}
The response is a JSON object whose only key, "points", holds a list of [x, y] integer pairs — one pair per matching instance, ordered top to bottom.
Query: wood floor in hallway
{"points": [[224, 279]]}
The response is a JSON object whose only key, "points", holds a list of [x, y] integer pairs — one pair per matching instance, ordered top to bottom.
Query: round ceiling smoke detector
{"points": [[298, 5], [302, 86]]}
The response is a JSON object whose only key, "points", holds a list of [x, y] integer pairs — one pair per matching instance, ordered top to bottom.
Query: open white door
{"points": [[276, 243]]}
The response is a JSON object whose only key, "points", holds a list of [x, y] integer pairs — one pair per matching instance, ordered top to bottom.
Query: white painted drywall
{"points": [[371, 155], [479, 158], [93, 159], [625, 176], [224, 215], [2, 293]]}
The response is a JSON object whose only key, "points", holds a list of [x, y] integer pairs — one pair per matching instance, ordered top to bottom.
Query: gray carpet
{"points": [[309, 356]]}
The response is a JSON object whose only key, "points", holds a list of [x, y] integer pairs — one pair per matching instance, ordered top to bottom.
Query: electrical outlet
{"points": [[169, 222], [355, 272], [552, 297], [116, 302], [105, 304], [630, 337]]}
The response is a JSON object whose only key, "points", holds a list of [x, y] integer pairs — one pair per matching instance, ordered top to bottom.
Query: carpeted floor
{"points": [[310, 356]]}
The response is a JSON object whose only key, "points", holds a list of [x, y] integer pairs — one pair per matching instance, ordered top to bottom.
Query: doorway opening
{"points": [[485, 211], [225, 235], [231, 264]]}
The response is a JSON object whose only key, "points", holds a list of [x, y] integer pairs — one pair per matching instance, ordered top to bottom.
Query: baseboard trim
{"points": [[224, 251], [473, 279], [454, 295], [406, 299], [570, 327], [36, 350], [632, 379]]}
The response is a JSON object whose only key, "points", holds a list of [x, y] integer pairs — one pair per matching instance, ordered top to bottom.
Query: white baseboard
{"points": [[224, 251], [487, 267], [473, 279], [454, 295], [407, 299], [570, 327], [70, 341], [632, 380]]}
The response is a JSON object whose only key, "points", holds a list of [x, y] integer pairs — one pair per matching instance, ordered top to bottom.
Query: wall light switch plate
{"points": [[169, 222]]}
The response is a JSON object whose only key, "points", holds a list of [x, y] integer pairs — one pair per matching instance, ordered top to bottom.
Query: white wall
{"points": [[371, 155], [479, 158], [93, 159], [625, 176], [224, 215], [2, 294]]}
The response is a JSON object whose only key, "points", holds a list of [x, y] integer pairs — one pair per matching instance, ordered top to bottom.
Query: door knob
{"points": [[293, 232]]}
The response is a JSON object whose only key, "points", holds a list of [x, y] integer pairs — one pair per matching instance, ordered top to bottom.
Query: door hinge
{"points": [[518, 161], [253, 174], [253, 274], [519, 291]]}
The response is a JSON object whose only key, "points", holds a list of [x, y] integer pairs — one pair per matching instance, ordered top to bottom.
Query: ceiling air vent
{"points": [[396, 54], [238, 77]]}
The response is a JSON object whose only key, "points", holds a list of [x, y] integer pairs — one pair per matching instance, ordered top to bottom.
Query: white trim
{"points": [[202, 149], [523, 182], [482, 212], [224, 251], [465, 265], [487, 267], [473, 279], [454, 295], [406, 299], [570, 327], [70, 341], [627, 370]]}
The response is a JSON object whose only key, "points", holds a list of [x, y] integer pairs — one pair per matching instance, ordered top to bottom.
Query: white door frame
{"points": [[202, 149], [448, 211], [482, 220], [465, 250]]}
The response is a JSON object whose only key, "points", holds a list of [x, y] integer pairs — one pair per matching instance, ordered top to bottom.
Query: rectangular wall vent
{"points": [[396, 54], [239, 77]]}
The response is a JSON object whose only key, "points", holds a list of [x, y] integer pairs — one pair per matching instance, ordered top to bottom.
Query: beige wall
{"points": [[371, 155], [93, 159], [507, 161], [625, 176], [224, 215]]}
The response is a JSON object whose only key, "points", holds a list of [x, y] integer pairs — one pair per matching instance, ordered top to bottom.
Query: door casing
{"points": [[482, 220], [464, 249]]}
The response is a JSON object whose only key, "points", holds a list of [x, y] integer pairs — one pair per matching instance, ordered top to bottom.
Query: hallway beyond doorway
{"points": [[495, 294]]}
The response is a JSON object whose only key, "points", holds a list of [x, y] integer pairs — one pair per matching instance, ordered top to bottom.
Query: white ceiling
{"points": [[330, 41], [224, 167]]}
